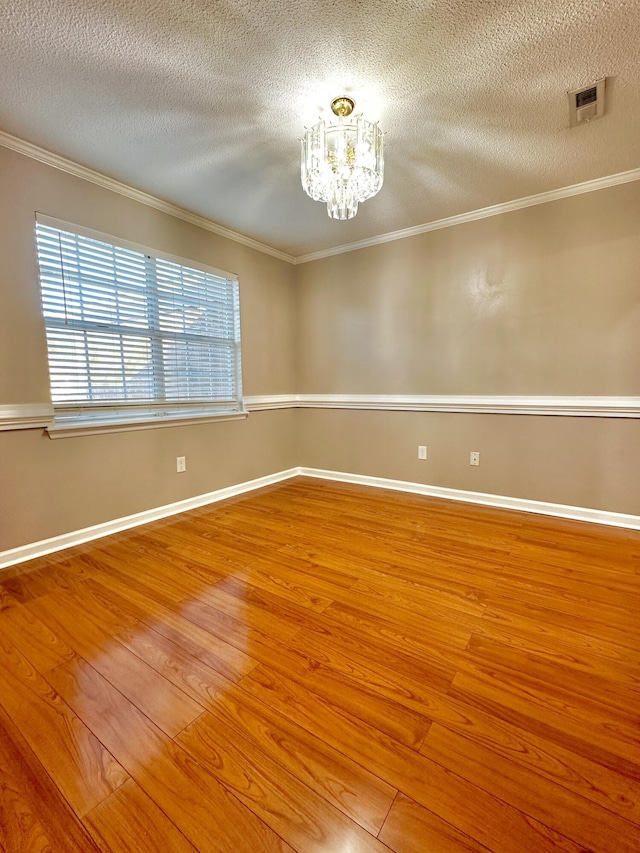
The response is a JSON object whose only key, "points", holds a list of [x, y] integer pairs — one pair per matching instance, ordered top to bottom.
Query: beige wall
{"points": [[545, 300], [542, 301], [585, 462], [50, 487], [53, 487]]}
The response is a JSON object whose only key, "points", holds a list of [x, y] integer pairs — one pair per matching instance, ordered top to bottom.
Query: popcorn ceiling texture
{"points": [[202, 103]]}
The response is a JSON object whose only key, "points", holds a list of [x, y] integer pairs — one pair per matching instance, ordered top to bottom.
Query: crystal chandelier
{"points": [[342, 162]]}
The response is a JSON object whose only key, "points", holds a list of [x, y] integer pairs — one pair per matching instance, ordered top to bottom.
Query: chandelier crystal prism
{"points": [[342, 161]]}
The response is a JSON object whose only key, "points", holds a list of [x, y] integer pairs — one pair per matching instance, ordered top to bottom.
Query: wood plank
{"points": [[251, 537], [218, 552], [463, 569], [61, 570], [560, 571], [150, 572], [274, 574], [268, 575], [174, 578], [330, 579], [354, 582], [141, 594], [421, 596], [6, 599], [579, 601], [241, 603], [266, 611], [112, 612], [544, 615], [440, 626], [37, 642], [204, 643], [424, 645], [338, 646], [576, 651], [377, 655], [194, 677], [607, 691], [422, 696], [164, 703], [609, 719], [405, 724], [591, 738], [81, 767], [585, 777], [614, 791], [358, 793], [34, 816], [209, 816], [300, 816], [483, 817], [128, 821], [585, 822], [410, 828]]}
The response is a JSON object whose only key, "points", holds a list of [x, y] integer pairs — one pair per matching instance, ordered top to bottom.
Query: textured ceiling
{"points": [[202, 102]]}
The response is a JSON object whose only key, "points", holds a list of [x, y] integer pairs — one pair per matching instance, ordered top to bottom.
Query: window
{"points": [[133, 336]]}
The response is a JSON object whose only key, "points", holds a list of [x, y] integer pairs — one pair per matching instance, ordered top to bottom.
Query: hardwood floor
{"points": [[325, 668]]}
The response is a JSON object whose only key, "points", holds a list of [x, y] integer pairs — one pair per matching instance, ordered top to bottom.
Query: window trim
{"points": [[92, 419], [73, 428]]}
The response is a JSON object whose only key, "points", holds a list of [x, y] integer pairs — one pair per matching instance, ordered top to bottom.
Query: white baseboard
{"points": [[576, 513], [97, 531], [78, 537]]}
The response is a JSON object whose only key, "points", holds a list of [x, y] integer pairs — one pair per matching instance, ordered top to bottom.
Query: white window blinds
{"points": [[132, 335]]}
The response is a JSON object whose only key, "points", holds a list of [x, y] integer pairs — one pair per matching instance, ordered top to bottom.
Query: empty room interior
{"points": [[319, 426]]}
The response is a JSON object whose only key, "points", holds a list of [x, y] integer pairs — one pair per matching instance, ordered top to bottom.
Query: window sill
{"points": [[95, 426]]}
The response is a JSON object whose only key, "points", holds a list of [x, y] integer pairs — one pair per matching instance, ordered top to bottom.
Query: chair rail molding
{"points": [[575, 406], [36, 415]]}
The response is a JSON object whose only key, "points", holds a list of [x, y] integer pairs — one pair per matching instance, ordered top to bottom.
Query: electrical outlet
{"points": [[422, 451], [474, 457], [181, 464]]}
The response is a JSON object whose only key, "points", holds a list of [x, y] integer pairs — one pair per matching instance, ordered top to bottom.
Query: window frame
{"points": [[87, 417]]}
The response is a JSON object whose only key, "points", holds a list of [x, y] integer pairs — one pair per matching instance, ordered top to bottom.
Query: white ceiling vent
{"points": [[587, 103]]}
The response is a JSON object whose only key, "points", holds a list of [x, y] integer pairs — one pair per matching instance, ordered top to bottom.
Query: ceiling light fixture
{"points": [[342, 162]]}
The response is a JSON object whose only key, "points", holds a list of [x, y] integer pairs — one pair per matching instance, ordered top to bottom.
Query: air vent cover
{"points": [[587, 103]]}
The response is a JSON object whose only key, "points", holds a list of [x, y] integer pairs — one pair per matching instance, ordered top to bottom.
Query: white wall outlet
{"points": [[422, 451], [474, 457], [181, 464]]}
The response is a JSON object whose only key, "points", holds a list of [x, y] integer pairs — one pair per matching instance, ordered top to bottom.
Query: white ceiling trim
{"points": [[58, 162], [65, 165], [483, 213]]}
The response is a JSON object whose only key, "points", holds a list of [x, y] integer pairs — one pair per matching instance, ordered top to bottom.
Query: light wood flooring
{"points": [[327, 669]]}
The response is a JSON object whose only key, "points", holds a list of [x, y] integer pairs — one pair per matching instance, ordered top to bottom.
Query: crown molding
{"points": [[58, 162], [65, 165], [474, 215], [591, 407]]}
